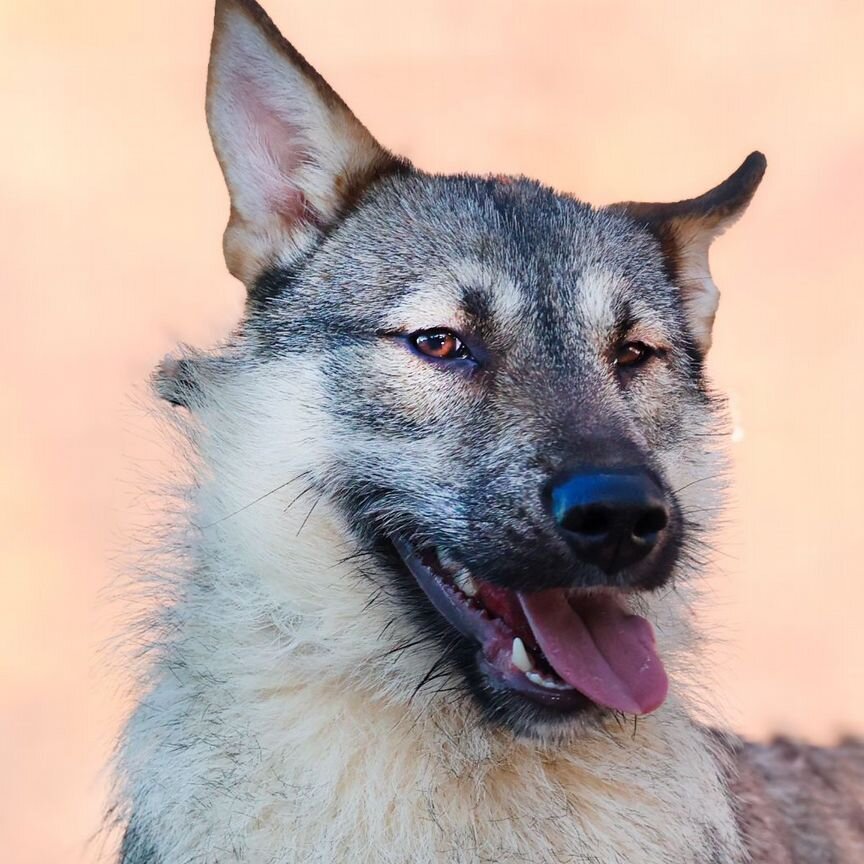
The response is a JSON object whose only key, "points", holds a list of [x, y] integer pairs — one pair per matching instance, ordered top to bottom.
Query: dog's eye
{"points": [[439, 345], [632, 354]]}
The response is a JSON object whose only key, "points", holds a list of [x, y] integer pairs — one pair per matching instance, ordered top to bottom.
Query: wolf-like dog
{"points": [[454, 477]]}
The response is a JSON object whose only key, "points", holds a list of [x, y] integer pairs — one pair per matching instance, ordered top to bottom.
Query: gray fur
{"points": [[136, 849]]}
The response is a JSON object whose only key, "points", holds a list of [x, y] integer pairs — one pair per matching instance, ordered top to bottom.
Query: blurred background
{"points": [[111, 213]]}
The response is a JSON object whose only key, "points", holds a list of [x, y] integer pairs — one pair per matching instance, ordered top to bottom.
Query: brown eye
{"points": [[439, 345], [632, 354]]}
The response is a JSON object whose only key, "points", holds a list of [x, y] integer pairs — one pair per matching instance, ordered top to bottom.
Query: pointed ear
{"points": [[293, 155], [686, 230]]}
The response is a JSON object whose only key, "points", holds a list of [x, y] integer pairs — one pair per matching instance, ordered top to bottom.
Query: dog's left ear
{"points": [[293, 155], [686, 230]]}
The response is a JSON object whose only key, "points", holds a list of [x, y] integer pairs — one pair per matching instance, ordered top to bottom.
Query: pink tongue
{"points": [[606, 653]]}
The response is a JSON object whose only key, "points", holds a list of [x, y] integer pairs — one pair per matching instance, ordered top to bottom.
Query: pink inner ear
{"points": [[273, 149]]}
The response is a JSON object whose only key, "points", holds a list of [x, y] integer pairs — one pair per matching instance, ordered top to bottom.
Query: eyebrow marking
{"points": [[488, 292], [466, 293], [433, 303], [476, 304]]}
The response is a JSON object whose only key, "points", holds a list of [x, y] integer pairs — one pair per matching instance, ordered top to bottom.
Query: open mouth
{"points": [[564, 648]]}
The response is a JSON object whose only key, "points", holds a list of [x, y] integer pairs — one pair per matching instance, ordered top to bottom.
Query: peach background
{"points": [[111, 210]]}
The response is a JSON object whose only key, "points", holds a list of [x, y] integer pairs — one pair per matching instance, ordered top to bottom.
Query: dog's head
{"points": [[506, 417]]}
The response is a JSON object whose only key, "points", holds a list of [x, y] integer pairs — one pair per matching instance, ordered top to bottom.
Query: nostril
{"points": [[590, 521], [650, 523]]}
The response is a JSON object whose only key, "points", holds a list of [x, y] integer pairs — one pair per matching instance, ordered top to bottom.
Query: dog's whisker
{"points": [[692, 483], [298, 496], [255, 501], [315, 503], [432, 669]]}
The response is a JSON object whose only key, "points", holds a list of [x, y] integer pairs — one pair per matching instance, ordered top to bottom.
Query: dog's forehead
{"points": [[514, 255]]}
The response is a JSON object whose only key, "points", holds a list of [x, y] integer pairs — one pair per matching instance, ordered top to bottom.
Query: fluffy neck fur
{"points": [[277, 726]]}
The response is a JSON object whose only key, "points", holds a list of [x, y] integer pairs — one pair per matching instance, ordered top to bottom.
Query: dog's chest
{"points": [[366, 791]]}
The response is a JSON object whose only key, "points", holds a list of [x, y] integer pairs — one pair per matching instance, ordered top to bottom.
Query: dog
{"points": [[453, 479]]}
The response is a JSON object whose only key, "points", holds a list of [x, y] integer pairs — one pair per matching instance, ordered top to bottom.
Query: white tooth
{"points": [[446, 561], [466, 583], [520, 657], [548, 683]]}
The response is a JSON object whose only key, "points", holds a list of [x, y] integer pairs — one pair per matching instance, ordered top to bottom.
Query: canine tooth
{"points": [[465, 583], [520, 657]]}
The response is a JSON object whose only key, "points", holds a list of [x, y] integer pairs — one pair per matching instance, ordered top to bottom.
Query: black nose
{"points": [[610, 518]]}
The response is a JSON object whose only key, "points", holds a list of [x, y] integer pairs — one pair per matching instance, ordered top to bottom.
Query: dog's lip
{"points": [[471, 622], [493, 636]]}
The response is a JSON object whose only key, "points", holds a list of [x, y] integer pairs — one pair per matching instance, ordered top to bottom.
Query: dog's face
{"points": [[513, 380]]}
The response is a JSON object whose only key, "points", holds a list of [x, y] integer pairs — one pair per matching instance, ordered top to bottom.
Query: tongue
{"points": [[594, 645]]}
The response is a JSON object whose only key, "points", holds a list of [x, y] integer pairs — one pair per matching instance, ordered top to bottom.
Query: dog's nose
{"points": [[611, 518]]}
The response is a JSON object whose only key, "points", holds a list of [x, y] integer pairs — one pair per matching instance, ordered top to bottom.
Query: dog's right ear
{"points": [[293, 155], [686, 230]]}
